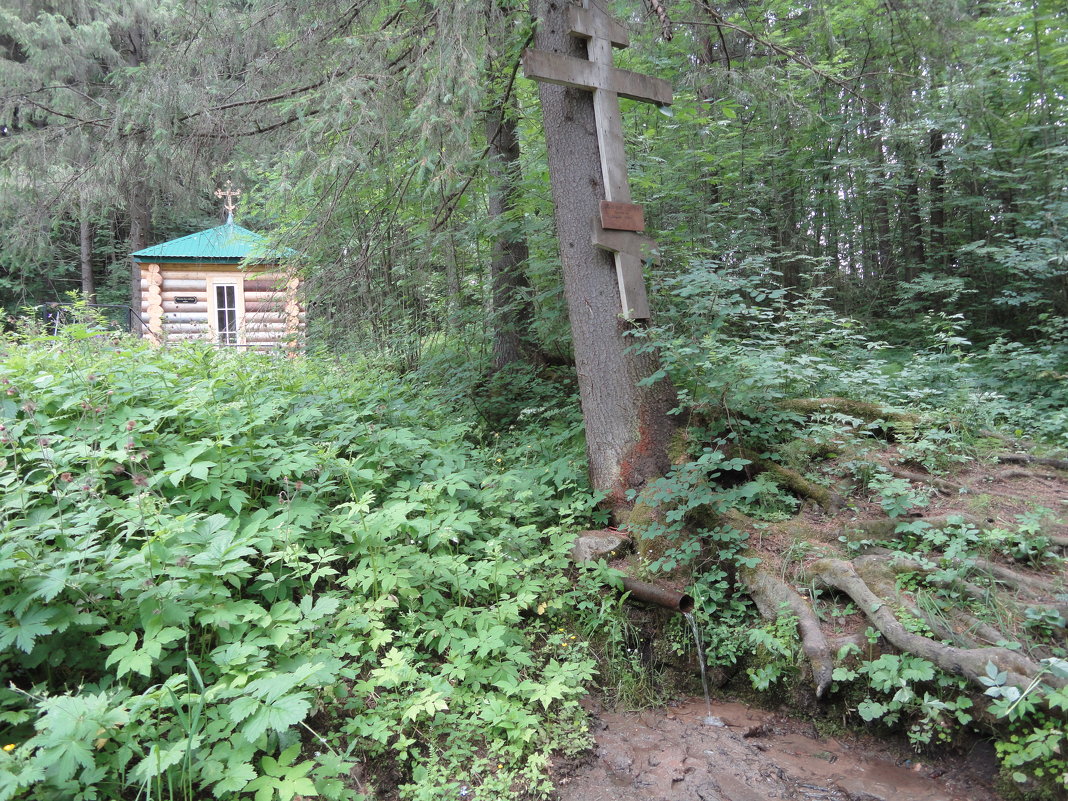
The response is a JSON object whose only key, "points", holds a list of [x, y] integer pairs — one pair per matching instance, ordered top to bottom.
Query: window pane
{"points": [[226, 313]]}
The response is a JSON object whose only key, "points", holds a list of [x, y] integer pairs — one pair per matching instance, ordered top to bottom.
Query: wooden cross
{"points": [[608, 84], [229, 193]]}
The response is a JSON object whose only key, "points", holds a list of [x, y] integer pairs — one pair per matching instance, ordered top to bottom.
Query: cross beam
{"points": [[608, 84]]}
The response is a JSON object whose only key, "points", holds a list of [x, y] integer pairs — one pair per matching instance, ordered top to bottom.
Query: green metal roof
{"points": [[228, 242]]}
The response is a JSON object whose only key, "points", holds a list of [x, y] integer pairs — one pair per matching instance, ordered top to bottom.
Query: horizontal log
{"points": [[191, 272], [190, 280], [184, 284], [265, 285], [171, 294], [264, 297], [170, 307], [260, 309], [200, 319], [261, 331], [171, 336]]}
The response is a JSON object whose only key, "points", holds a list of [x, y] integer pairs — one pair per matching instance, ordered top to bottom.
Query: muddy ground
{"points": [[671, 754], [752, 755]]}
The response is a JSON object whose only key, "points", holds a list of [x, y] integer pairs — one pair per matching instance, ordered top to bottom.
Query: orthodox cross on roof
{"points": [[228, 204], [620, 220]]}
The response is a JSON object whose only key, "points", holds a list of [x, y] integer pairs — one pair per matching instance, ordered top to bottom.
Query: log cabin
{"points": [[223, 285]]}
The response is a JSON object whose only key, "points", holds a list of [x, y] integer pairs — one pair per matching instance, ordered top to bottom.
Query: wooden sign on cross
{"points": [[608, 84]]}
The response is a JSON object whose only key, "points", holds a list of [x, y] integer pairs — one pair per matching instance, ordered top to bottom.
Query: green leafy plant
{"points": [[896, 496], [234, 575], [775, 652], [897, 681], [1033, 753]]}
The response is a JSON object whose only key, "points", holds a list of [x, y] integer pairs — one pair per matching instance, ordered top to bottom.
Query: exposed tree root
{"points": [[868, 412], [821, 450], [1026, 458], [1016, 473], [940, 484], [952, 488], [828, 500], [886, 528], [898, 564], [876, 572], [1032, 586], [770, 594], [962, 629], [976, 630], [990, 635], [969, 662]]}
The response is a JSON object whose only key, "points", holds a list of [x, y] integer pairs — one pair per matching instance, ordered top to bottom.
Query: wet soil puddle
{"points": [[756, 755]]}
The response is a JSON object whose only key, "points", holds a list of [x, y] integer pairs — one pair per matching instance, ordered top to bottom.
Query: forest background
{"points": [[862, 199]]}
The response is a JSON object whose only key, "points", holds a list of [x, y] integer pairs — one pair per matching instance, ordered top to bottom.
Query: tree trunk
{"points": [[132, 43], [880, 190], [938, 198], [137, 207], [85, 235], [915, 253], [452, 280], [512, 313], [628, 428]]}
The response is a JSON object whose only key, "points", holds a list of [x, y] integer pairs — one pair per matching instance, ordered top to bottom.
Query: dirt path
{"points": [[754, 756]]}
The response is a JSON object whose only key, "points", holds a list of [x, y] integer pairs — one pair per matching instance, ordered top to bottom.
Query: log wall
{"points": [[269, 312]]}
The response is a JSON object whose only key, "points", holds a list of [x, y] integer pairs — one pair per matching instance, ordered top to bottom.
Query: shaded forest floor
{"points": [[970, 563]]}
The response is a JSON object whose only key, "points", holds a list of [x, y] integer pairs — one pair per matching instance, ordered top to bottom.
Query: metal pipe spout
{"points": [[661, 596]]}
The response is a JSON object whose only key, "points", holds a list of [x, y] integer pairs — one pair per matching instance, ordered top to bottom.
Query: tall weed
{"points": [[248, 576]]}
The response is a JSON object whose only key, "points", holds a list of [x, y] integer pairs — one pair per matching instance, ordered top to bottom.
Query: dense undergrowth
{"points": [[791, 403], [238, 576]]}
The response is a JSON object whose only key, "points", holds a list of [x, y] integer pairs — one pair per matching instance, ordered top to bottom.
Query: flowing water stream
{"points": [[699, 644]]}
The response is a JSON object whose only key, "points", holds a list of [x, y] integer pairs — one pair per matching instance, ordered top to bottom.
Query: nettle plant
{"points": [[242, 576]]}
